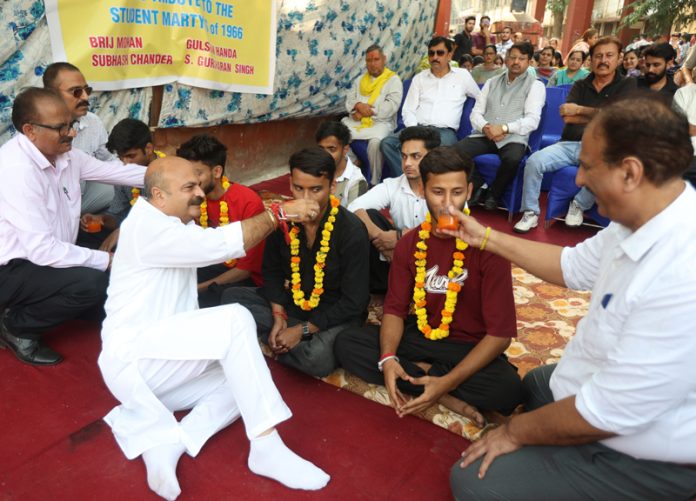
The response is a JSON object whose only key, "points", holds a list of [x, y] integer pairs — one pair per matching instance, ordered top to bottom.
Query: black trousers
{"points": [[510, 156], [379, 270], [212, 296], [41, 297], [496, 387]]}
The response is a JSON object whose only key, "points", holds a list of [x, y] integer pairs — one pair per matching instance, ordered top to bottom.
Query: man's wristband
{"points": [[485, 238], [280, 314], [384, 358]]}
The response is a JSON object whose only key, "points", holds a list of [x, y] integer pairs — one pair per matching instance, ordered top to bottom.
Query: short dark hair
{"points": [[484, 17], [469, 18], [507, 28], [438, 40], [605, 41], [491, 46], [374, 47], [548, 47], [524, 48], [662, 50], [465, 58], [478, 60], [51, 72], [25, 108], [640, 125], [332, 128], [129, 133], [429, 135], [204, 148], [444, 159], [314, 161]]}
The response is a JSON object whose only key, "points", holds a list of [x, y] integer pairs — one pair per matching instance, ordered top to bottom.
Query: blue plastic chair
{"points": [[553, 123], [465, 126], [359, 146], [487, 165], [563, 190]]}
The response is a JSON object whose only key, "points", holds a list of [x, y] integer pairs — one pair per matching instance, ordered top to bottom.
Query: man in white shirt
{"points": [[505, 42], [436, 98], [685, 102], [372, 106], [507, 112], [91, 138], [334, 138], [403, 196], [46, 279], [162, 354], [616, 418]]}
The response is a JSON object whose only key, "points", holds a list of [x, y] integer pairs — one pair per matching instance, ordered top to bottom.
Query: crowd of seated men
{"points": [[620, 404]]}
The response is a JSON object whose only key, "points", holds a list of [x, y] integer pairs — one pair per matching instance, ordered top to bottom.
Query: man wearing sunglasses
{"points": [[436, 99], [91, 138], [47, 279]]}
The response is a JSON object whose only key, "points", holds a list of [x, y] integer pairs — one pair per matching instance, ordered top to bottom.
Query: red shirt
{"points": [[242, 203], [485, 304]]}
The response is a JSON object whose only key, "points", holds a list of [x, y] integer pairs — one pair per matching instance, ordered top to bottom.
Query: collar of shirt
{"points": [[449, 72], [589, 81], [83, 121], [38, 158], [349, 171], [405, 187], [637, 243]]}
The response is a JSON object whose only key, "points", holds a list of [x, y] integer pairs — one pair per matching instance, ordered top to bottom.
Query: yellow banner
{"points": [[225, 45]]}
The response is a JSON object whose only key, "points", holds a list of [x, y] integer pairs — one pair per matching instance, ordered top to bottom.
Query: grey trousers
{"points": [[314, 357], [591, 471]]}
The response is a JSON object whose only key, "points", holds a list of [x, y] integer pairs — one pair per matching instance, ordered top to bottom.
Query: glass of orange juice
{"points": [[446, 221]]}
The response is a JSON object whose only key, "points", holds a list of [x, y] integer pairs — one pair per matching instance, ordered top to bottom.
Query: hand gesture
{"points": [[301, 210], [90, 218], [469, 230], [385, 240], [110, 242], [279, 324], [288, 338], [392, 372], [433, 388], [495, 443]]}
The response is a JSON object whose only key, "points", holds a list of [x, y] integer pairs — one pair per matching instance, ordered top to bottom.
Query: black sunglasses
{"points": [[439, 52], [77, 91], [63, 129]]}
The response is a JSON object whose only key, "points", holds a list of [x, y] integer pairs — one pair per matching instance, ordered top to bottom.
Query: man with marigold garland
{"points": [[131, 141], [225, 202], [316, 275], [451, 351]]}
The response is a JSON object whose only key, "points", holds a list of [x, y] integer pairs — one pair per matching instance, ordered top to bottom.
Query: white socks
{"points": [[270, 457], [160, 463]]}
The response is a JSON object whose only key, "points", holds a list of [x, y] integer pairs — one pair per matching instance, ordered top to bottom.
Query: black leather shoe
{"points": [[478, 196], [491, 203], [30, 351]]}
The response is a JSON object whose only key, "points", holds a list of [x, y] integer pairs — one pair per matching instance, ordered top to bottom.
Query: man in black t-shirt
{"points": [[463, 40], [656, 78], [585, 99], [315, 277]]}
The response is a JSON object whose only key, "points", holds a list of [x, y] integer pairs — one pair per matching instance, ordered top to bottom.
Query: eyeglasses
{"points": [[439, 52], [489, 53], [77, 91], [62, 129]]}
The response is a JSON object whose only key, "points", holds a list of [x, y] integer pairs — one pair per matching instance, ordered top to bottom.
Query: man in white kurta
{"points": [[372, 105], [162, 354]]}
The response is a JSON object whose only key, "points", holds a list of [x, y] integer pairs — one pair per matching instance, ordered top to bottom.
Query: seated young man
{"points": [[334, 137], [131, 141], [403, 196], [225, 202], [315, 276], [451, 350]]}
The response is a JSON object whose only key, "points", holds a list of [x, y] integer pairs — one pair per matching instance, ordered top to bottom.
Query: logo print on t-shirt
{"points": [[437, 284]]}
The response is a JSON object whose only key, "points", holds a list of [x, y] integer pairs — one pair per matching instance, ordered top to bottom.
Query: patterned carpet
{"points": [[546, 320]]}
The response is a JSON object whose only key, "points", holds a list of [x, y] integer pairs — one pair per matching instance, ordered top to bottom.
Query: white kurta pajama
{"points": [[161, 353]]}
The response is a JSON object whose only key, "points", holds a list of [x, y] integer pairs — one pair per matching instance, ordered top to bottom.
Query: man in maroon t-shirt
{"points": [[209, 156], [465, 371]]}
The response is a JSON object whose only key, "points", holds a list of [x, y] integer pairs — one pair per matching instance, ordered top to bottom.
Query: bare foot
{"points": [[460, 407], [496, 418]]}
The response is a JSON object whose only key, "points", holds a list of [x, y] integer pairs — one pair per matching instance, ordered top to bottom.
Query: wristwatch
{"points": [[505, 128], [306, 335]]}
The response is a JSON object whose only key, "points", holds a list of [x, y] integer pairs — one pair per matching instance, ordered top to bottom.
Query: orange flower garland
{"points": [[224, 216], [453, 288], [298, 295]]}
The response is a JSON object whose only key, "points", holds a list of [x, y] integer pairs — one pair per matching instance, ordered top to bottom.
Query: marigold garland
{"points": [[224, 216], [453, 288], [298, 295]]}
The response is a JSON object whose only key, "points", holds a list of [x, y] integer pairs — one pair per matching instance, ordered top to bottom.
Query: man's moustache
{"points": [[82, 103], [196, 201]]}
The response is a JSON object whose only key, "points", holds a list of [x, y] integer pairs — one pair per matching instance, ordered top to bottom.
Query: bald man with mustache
{"points": [[161, 354]]}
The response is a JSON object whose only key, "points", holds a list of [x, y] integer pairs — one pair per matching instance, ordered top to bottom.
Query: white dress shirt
{"points": [[438, 101], [685, 102], [92, 137], [348, 181], [40, 203], [406, 209], [631, 362]]}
